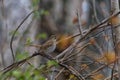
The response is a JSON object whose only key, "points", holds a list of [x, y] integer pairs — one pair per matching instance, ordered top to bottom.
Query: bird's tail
{"points": [[35, 45]]}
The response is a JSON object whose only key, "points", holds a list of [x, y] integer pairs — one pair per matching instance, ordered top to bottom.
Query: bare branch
{"points": [[95, 13], [79, 23], [11, 42], [16, 64], [100, 68], [59, 73], [112, 73], [108, 78]]}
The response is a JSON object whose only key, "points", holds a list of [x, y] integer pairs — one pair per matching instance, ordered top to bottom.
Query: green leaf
{"points": [[35, 2], [44, 12], [40, 13], [37, 14], [41, 36], [28, 41], [20, 56], [52, 63], [42, 66], [36, 72], [17, 73], [27, 75], [3, 77], [42, 78]]}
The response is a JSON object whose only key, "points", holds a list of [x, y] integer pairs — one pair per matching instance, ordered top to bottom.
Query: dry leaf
{"points": [[75, 20], [114, 20], [106, 37], [92, 41], [65, 42], [118, 45], [110, 57], [107, 58], [100, 59], [84, 66], [98, 77]]}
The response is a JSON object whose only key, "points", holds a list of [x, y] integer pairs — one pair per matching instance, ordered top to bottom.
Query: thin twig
{"points": [[95, 13], [79, 23], [94, 28], [86, 34], [95, 35], [11, 42], [114, 43], [98, 46], [65, 51], [69, 57], [16, 64], [100, 68], [73, 71], [59, 73], [112, 76], [82, 78], [108, 78]]}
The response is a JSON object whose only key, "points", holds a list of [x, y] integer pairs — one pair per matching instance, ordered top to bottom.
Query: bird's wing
{"points": [[47, 44]]}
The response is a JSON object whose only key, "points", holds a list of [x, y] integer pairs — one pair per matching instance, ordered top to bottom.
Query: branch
{"points": [[94, 10], [79, 23], [94, 28], [86, 34], [11, 42], [70, 57], [16, 64], [100, 68], [72, 70], [112, 72], [59, 73], [108, 78]]}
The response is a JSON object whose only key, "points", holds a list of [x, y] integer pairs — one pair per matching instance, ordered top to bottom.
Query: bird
{"points": [[47, 47]]}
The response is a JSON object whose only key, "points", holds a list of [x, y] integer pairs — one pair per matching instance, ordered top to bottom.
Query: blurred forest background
{"points": [[87, 31]]}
